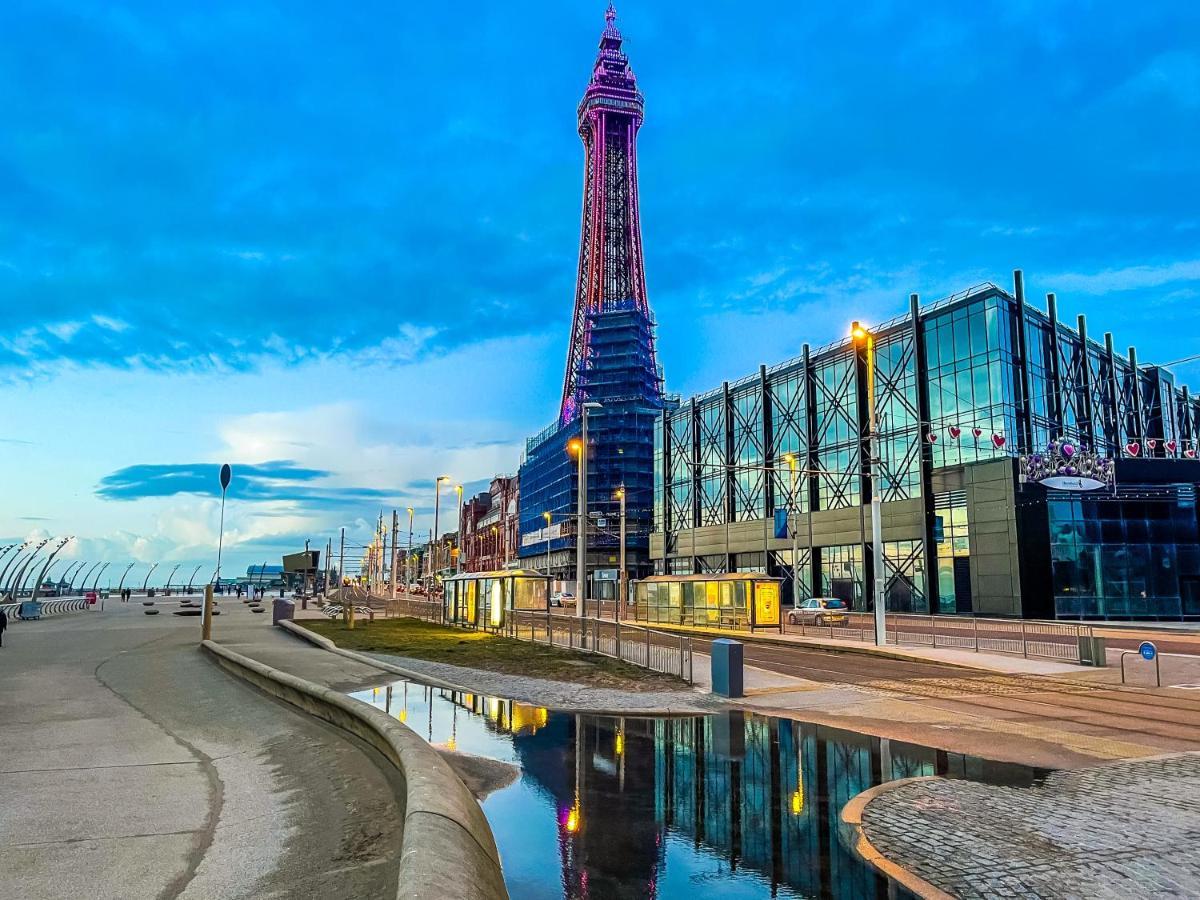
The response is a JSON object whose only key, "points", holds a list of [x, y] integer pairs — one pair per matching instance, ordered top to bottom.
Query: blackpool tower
{"points": [[612, 275], [611, 361]]}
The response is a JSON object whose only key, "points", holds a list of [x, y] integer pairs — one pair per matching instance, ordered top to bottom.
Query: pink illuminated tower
{"points": [[612, 275]]}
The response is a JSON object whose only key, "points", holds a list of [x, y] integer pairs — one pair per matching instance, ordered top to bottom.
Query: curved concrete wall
{"points": [[448, 850]]}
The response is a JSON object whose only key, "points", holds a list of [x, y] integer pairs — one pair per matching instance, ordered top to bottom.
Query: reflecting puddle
{"points": [[737, 805]]}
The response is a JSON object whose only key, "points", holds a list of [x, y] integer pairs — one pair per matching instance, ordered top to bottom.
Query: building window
{"points": [[971, 382], [896, 413], [746, 423], [789, 434], [712, 462], [838, 464], [952, 536], [1135, 555], [842, 574], [904, 588]]}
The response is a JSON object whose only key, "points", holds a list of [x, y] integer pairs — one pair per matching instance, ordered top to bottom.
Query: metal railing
{"points": [[1032, 640], [647, 648], [659, 651]]}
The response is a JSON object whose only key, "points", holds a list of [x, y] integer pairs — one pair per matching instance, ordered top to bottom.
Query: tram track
{"points": [[1044, 699]]}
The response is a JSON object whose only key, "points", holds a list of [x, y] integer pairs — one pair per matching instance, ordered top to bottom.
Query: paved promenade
{"points": [[133, 767], [1124, 830]]}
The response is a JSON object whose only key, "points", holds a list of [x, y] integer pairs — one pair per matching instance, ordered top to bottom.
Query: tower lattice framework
{"points": [[612, 274]]}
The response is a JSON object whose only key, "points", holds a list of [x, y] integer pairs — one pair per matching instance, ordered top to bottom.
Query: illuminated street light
{"points": [[862, 335]]}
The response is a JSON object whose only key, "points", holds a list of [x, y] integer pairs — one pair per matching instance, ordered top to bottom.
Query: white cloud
{"points": [[1129, 278]]}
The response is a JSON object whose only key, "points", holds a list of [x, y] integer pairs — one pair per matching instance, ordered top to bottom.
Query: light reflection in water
{"points": [[738, 805]]}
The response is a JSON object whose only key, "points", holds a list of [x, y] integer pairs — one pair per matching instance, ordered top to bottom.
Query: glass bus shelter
{"points": [[483, 599], [734, 600]]}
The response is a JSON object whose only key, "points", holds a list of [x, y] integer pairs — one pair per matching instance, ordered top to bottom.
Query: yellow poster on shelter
{"points": [[766, 603]]}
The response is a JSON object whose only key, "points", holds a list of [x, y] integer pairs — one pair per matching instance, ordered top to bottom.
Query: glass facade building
{"points": [[963, 387]]}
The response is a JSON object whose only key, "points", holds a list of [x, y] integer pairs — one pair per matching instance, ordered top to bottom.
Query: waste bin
{"points": [[282, 609], [727, 667]]}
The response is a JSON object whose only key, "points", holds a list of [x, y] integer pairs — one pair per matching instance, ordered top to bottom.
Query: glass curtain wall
{"points": [[971, 382], [836, 435]]}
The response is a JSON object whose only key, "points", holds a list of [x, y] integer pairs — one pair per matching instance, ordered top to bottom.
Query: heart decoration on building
{"points": [[955, 431], [977, 432], [931, 437], [999, 440], [1151, 444], [1171, 445], [1133, 448], [1190, 452]]}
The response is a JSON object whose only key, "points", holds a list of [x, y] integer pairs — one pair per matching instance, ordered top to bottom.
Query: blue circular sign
{"points": [[1147, 650]]}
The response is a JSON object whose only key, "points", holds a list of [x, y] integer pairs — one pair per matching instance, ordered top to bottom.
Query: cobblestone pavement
{"points": [[1130, 829]]}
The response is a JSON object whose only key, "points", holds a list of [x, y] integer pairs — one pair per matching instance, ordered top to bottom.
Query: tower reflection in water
{"points": [[735, 805]]}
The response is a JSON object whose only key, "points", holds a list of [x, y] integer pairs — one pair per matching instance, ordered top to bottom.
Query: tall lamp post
{"points": [[862, 335], [437, 501], [547, 516], [792, 516], [581, 539], [408, 555], [458, 561], [147, 581], [121, 584], [623, 587], [206, 621]]}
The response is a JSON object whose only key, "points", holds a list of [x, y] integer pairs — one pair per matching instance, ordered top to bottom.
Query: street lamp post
{"points": [[861, 334], [437, 500], [547, 516], [792, 516], [581, 539], [395, 551], [408, 555], [458, 560], [148, 574], [96, 580], [121, 584], [623, 589], [188, 591]]}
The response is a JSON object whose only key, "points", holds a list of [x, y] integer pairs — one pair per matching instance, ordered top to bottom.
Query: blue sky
{"points": [[334, 245]]}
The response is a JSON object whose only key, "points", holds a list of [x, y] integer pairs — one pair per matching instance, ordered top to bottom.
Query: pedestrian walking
{"points": [[3, 625]]}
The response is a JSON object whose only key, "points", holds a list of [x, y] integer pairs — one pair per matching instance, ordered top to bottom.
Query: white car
{"points": [[819, 611]]}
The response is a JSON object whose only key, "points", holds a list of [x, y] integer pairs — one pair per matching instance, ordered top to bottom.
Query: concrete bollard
{"points": [[281, 610]]}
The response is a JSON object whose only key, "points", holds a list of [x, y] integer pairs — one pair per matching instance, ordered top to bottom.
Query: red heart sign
{"points": [[955, 431], [977, 431], [931, 437], [999, 440], [1152, 443], [1171, 445], [1133, 448], [1190, 453]]}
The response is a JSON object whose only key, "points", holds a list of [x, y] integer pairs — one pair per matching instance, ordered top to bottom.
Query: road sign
{"points": [[1147, 650]]}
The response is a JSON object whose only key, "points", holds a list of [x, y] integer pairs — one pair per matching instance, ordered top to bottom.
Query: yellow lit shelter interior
{"points": [[483, 599], [735, 600]]}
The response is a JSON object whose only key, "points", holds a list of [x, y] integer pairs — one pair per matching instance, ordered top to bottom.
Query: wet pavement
{"points": [[736, 805]]}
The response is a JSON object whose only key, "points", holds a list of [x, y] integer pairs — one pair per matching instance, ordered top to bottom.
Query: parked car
{"points": [[562, 598], [819, 611]]}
